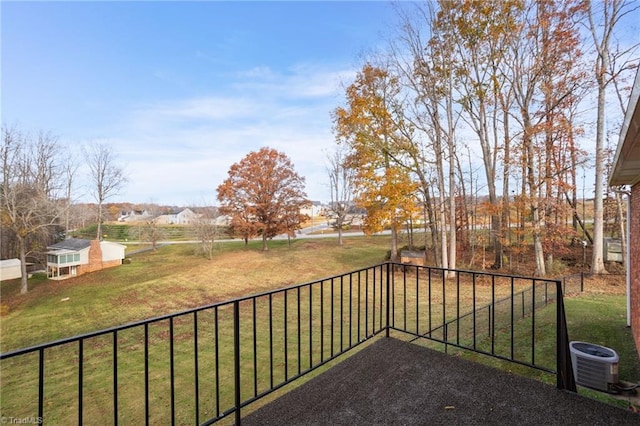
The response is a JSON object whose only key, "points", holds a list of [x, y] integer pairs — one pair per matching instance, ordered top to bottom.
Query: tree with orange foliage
{"points": [[370, 126], [263, 195]]}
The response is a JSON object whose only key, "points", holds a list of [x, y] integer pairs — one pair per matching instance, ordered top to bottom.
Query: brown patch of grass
{"points": [[605, 284]]}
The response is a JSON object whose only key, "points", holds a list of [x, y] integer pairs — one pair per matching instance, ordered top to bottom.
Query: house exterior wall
{"points": [[185, 217], [112, 252], [102, 254], [84, 256], [634, 263], [10, 269]]}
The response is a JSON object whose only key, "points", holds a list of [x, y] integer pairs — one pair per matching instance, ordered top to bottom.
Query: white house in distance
{"points": [[313, 210], [134, 216], [178, 217], [75, 256]]}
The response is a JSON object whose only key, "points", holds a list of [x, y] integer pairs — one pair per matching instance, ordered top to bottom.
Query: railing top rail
{"points": [[491, 274]]}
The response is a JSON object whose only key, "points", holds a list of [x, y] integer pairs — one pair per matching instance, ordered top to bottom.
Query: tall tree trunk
{"points": [[612, 11], [451, 148], [506, 170], [490, 172], [441, 202], [452, 213], [99, 230], [394, 243], [597, 258], [23, 265], [540, 270]]}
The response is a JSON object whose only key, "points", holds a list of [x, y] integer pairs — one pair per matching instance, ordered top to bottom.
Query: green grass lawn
{"points": [[174, 279], [169, 280]]}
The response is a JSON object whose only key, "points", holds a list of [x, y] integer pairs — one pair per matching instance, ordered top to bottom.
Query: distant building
{"points": [[313, 210], [134, 216], [177, 217], [223, 220], [75, 256], [10, 269]]}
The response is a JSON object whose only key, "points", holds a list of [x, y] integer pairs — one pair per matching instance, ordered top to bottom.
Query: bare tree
{"points": [[602, 19], [428, 123], [69, 169], [107, 177], [341, 186], [29, 204], [206, 230], [151, 232]]}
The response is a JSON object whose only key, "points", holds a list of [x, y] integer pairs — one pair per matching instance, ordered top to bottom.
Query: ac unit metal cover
{"points": [[594, 366]]}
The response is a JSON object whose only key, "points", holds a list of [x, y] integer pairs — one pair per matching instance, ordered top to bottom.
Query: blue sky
{"points": [[182, 90]]}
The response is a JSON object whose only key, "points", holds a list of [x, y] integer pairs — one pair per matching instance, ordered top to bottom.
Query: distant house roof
{"points": [[71, 244], [9, 262]]}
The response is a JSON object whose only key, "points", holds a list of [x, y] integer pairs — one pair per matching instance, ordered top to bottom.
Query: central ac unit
{"points": [[594, 366]]}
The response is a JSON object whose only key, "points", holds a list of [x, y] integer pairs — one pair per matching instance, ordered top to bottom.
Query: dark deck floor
{"points": [[397, 383]]}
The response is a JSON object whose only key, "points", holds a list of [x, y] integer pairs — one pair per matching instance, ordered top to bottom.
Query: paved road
{"points": [[300, 236]]}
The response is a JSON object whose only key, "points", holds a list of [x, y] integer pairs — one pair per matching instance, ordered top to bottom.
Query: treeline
{"points": [[487, 97]]}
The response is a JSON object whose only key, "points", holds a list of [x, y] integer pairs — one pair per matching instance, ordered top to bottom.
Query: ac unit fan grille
{"points": [[592, 373]]}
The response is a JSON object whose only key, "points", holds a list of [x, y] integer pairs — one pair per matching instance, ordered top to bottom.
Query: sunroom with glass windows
{"points": [[62, 263]]}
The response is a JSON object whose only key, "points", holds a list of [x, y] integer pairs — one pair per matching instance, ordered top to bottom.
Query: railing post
{"points": [[388, 300], [236, 357], [564, 373], [41, 383]]}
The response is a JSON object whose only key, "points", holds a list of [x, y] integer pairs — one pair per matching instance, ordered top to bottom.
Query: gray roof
{"points": [[71, 244]]}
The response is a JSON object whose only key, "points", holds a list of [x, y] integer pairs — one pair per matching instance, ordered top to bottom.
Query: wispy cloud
{"points": [[300, 82], [179, 148]]}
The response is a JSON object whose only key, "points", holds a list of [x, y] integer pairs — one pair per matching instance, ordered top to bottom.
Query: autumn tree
{"points": [[477, 33], [543, 75], [430, 99], [370, 125], [431, 140], [106, 176], [31, 185], [263, 195]]}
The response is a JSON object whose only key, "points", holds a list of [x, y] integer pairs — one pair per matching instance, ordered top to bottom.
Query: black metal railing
{"points": [[487, 313], [206, 364]]}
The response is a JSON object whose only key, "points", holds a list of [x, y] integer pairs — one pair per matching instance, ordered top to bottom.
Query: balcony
{"points": [[233, 361], [395, 382]]}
